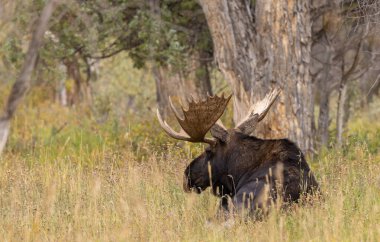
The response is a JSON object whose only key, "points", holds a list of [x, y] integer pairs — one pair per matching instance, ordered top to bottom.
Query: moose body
{"points": [[250, 172]]}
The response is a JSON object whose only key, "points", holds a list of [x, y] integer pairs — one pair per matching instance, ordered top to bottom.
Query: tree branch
{"points": [[22, 84]]}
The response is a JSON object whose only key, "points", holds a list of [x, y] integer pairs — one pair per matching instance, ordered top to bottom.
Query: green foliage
{"points": [[86, 30], [169, 36], [157, 43], [11, 51], [364, 131]]}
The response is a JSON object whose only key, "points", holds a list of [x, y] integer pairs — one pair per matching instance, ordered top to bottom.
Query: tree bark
{"points": [[270, 48], [22, 84], [324, 97]]}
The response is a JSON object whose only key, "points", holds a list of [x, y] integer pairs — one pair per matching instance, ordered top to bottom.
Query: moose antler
{"points": [[257, 112], [197, 119]]}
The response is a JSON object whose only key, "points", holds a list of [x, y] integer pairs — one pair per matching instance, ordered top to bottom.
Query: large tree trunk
{"points": [[268, 48], [22, 83], [180, 85], [324, 96]]}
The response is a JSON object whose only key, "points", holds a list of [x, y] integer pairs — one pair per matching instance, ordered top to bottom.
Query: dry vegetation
{"points": [[65, 176]]}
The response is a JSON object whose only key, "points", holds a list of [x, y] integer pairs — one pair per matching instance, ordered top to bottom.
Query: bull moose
{"points": [[249, 172]]}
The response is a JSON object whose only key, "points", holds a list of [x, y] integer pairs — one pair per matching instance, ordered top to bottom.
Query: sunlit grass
{"points": [[67, 175], [121, 180]]}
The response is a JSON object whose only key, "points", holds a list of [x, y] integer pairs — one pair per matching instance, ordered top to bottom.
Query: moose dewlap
{"points": [[250, 172]]}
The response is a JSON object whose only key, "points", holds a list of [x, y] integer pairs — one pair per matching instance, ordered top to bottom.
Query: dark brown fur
{"points": [[251, 172]]}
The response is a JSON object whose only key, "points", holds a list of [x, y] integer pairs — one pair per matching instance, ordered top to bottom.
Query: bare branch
{"points": [[354, 64], [22, 84]]}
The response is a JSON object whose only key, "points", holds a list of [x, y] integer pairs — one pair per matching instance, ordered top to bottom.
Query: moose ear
{"points": [[219, 132]]}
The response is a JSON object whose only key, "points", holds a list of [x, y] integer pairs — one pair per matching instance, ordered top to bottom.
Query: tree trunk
{"points": [[231, 27], [268, 49], [73, 72], [194, 81], [22, 84], [168, 84], [179, 84], [370, 87], [62, 91], [81, 92], [324, 97], [343, 109], [324, 114], [340, 116], [4, 132]]}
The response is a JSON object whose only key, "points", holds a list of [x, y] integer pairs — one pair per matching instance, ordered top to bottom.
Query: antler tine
{"points": [[196, 98], [264, 105], [257, 112], [177, 115], [198, 119], [181, 135]]}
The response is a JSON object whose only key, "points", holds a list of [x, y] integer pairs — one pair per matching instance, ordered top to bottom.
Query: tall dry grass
{"points": [[72, 175], [122, 181]]}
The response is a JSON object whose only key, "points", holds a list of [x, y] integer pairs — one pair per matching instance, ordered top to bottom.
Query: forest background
{"points": [[85, 158]]}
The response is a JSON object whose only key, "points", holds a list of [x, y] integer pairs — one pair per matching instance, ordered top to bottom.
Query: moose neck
{"points": [[242, 156]]}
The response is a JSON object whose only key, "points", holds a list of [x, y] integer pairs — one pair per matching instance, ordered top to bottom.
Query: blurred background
{"points": [[119, 60], [85, 135]]}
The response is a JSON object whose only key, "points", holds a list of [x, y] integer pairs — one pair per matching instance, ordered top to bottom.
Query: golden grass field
{"points": [[65, 176], [112, 182]]}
